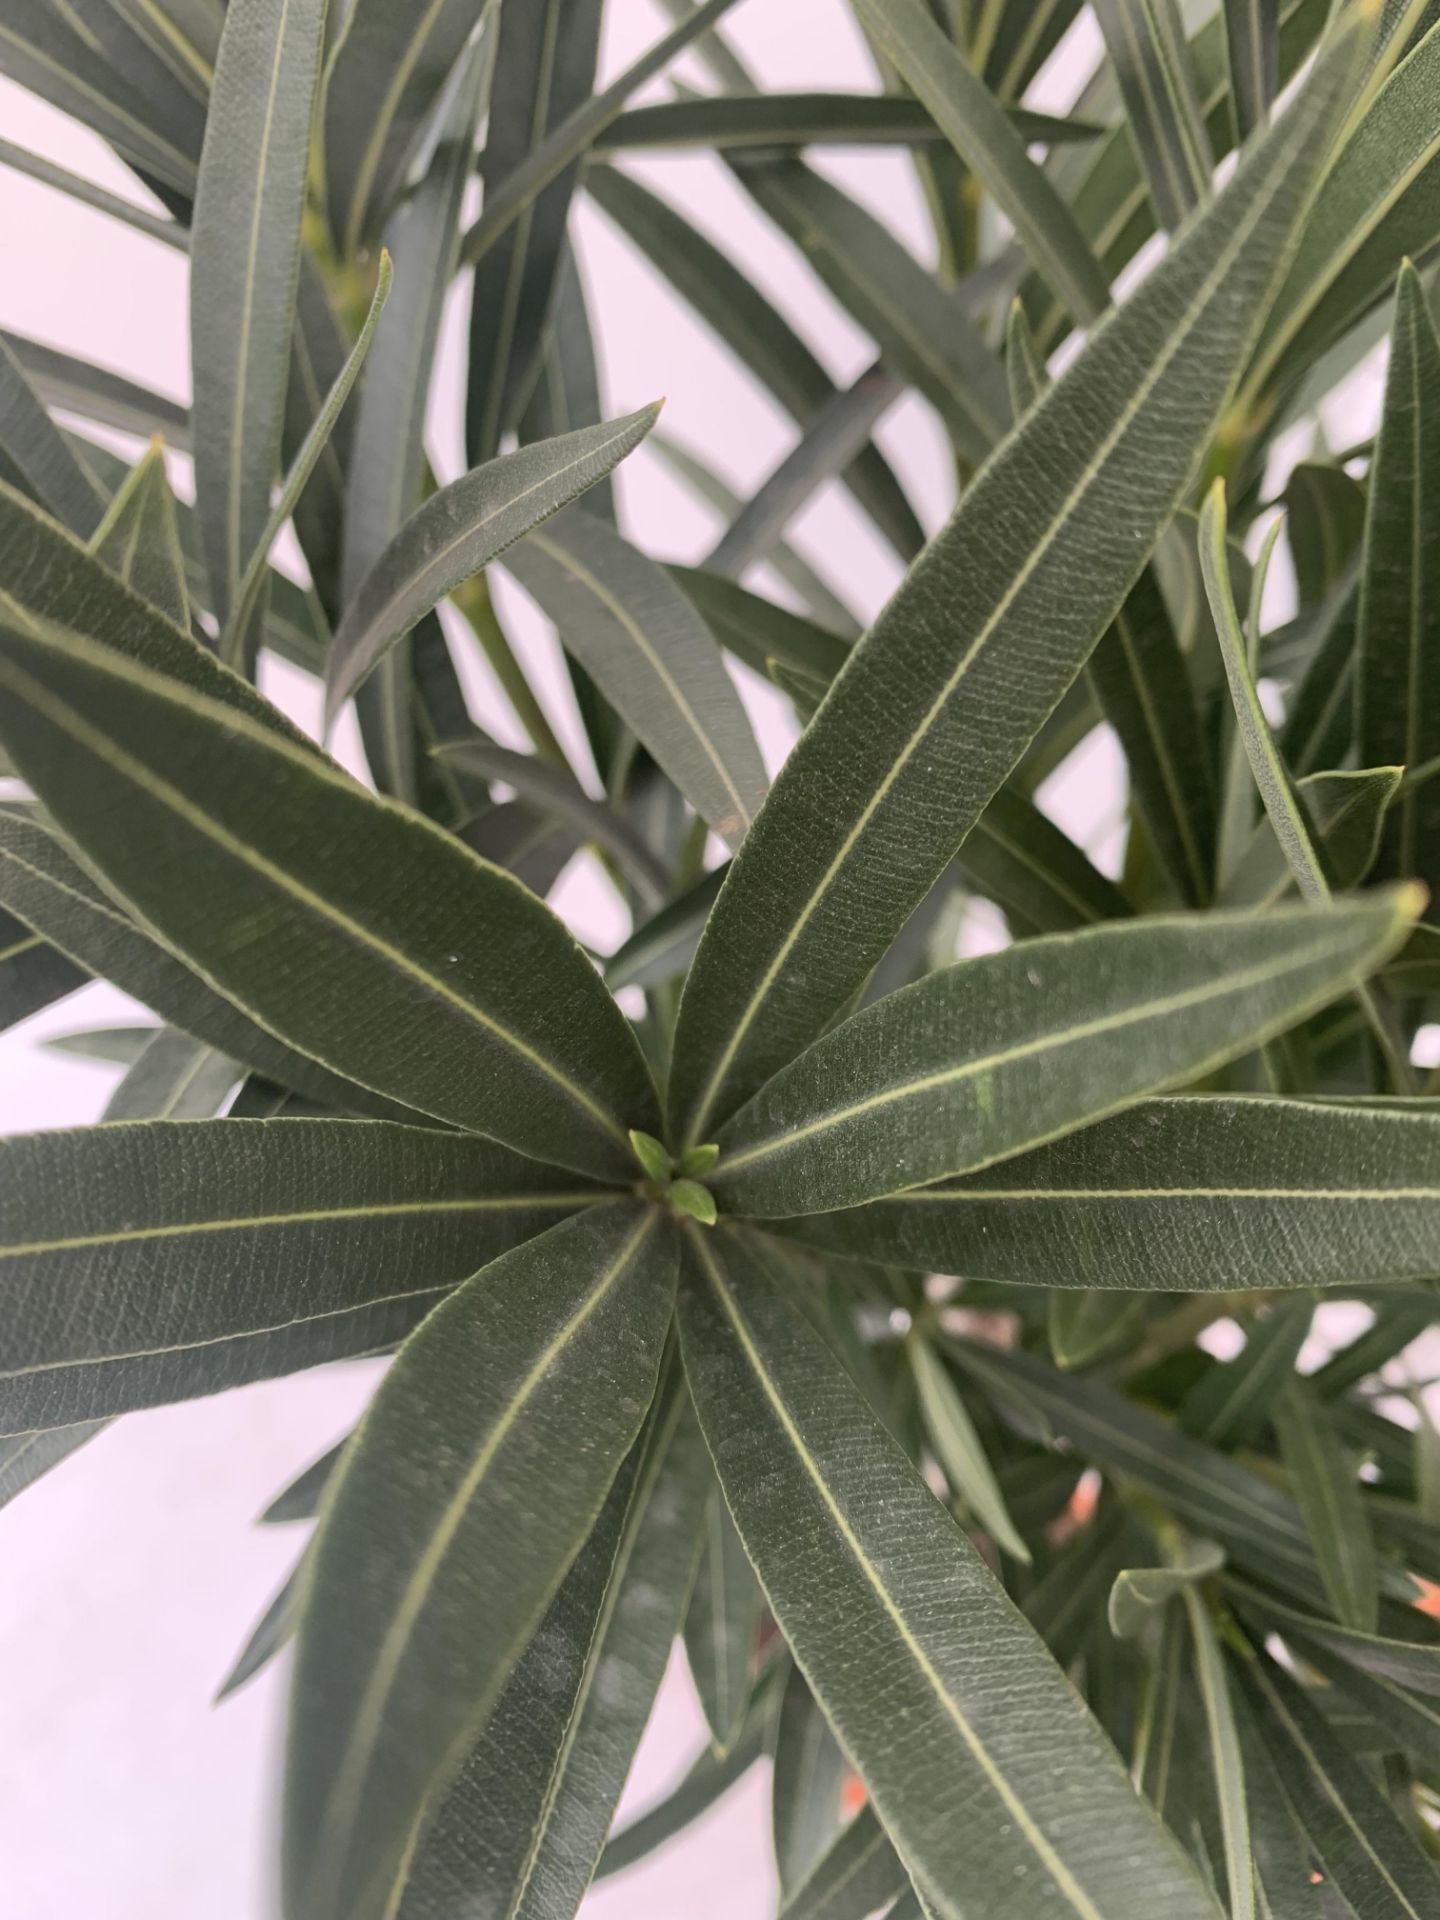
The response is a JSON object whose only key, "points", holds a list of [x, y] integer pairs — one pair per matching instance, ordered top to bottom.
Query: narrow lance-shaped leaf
{"points": [[1252, 44], [1147, 47], [544, 67], [382, 79], [804, 120], [981, 133], [244, 266], [754, 331], [924, 335], [33, 450], [384, 476], [461, 529], [139, 538], [248, 593], [648, 651], [1399, 679], [1143, 682], [930, 712], [1283, 803], [1347, 810], [42, 881], [304, 898], [33, 973], [1006, 1051], [176, 1078], [1205, 1194], [152, 1262], [1233, 1400], [952, 1433], [27, 1457], [467, 1467], [1328, 1492], [844, 1533], [1138, 1591], [721, 1623], [1227, 1764], [811, 1772], [524, 1824], [1359, 1840], [855, 1877]]}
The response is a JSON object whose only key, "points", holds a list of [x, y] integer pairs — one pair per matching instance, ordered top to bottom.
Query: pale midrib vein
{"points": [[1039, 19], [190, 54], [383, 124], [1160, 146], [247, 310], [1176, 340], [499, 373], [954, 382], [383, 618], [626, 622], [68, 721], [1180, 813], [1410, 813], [986, 829], [20, 946], [1144, 1010], [182, 1086], [1321, 1195], [313, 1216], [236, 1336], [652, 1469], [1327, 1491], [370, 1709], [1326, 1786], [1079, 1900]]}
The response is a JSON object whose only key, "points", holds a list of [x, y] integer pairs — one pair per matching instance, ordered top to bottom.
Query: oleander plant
{"points": [[930, 1341]]}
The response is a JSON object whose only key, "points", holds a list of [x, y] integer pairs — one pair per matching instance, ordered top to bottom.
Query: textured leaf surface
{"points": [[1147, 48], [383, 77], [244, 266], [32, 447], [461, 529], [139, 539], [650, 654], [1399, 677], [930, 712], [41, 880], [304, 899], [1008, 1050], [1203, 1193], [156, 1261], [481, 1467], [1327, 1489], [849, 1542], [721, 1624], [522, 1828]]}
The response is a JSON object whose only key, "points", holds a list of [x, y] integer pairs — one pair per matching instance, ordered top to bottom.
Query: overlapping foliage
{"points": [[830, 1300]]}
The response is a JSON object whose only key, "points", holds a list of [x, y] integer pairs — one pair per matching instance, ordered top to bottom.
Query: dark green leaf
{"points": [[1252, 43], [1147, 48], [381, 81], [806, 119], [978, 129], [244, 265], [754, 331], [923, 333], [96, 394], [33, 449], [460, 530], [139, 539], [648, 651], [1399, 680], [930, 713], [1347, 813], [1017, 857], [282, 879], [43, 882], [664, 944], [32, 973], [1003, 1052], [176, 1078], [1204, 1194], [156, 1261], [1083, 1324], [1231, 1402], [960, 1452], [25, 1457], [467, 1468], [1327, 1488], [301, 1499], [847, 1535], [1138, 1591], [721, 1625], [271, 1632], [810, 1775], [524, 1824], [1356, 1836], [857, 1875]]}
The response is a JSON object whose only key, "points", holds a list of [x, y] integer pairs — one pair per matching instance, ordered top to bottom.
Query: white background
{"points": [[132, 1575]]}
